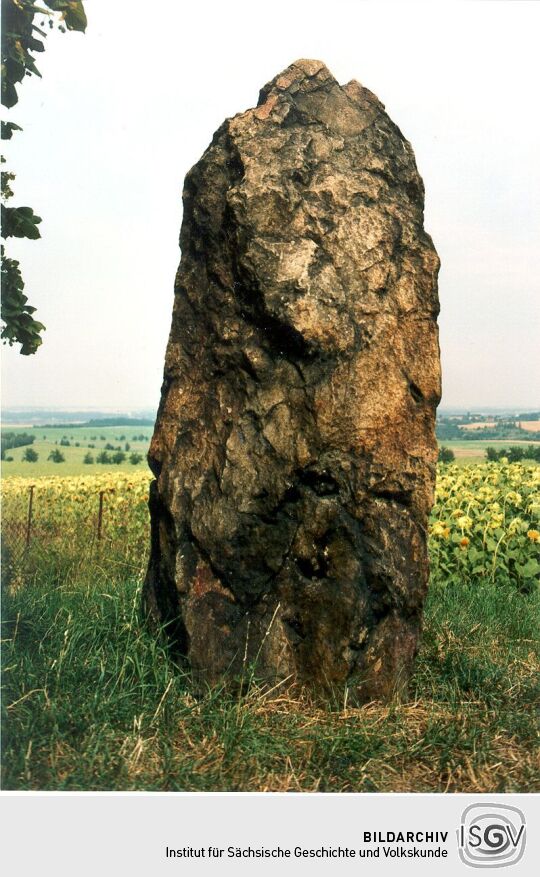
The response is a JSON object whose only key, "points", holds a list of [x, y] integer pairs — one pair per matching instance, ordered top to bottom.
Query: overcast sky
{"points": [[123, 111]]}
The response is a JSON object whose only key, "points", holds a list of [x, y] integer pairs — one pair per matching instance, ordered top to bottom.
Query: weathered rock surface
{"points": [[294, 449]]}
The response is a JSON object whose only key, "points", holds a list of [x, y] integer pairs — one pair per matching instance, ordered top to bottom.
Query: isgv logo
{"points": [[491, 835]]}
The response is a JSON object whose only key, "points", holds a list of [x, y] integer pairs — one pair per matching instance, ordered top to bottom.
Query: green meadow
{"points": [[85, 439], [82, 440]]}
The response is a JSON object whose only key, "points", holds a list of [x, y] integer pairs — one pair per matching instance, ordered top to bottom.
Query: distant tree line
{"points": [[118, 421], [127, 422], [449, 431], [508, 433], [14, 440], [514, 454], [56, 456], [117, 457]]}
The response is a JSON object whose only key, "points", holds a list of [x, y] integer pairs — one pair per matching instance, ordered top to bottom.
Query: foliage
{"points": [[21, 40], [7, 133], [20, 222], [16, 315], [447, 430], [15, 440], [514, 454], [446, 455], [30, 456], [56, 456], [88, 458], [106, 458], [135, 458], [485, 524]]}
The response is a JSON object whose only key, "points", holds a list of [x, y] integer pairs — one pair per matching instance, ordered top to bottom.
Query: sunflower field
{"points": [[75, 520], [485, 523]]}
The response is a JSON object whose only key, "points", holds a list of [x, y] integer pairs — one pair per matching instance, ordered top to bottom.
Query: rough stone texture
{"points": [[294, 449]]}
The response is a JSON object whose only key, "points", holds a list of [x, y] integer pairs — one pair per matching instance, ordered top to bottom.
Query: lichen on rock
{"points": [[294, 449]]}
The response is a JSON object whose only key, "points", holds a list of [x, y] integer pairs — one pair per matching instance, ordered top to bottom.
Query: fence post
{"points": [[100, 514], [29, 519]]}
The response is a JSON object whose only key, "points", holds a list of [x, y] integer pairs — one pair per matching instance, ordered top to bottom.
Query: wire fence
{"points": [[58, 521], [482, 526]]}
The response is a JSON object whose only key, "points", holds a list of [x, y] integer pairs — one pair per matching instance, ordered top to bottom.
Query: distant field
{"points": [[488, 424], [527, 425], [530, 425], [48, 439], [138, 439], [473, 450]]}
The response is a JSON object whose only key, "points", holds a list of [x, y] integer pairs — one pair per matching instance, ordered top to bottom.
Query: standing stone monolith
{"points": [[294, 450]]}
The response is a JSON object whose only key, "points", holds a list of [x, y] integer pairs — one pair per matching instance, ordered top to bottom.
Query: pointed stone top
{"points": [[303, 75]]}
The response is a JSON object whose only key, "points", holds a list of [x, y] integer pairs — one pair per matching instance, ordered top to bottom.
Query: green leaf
{"points": [[72, 13], [76, 17], [19, 41], [35, 45], [9, 93], [8, 128], [6, 178], [20, 222], [19, 325], [528, 570]]}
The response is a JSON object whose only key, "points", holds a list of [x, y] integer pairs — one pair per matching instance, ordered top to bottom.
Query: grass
{"points": [[48, 439], [474, 450], [92, 701]]}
